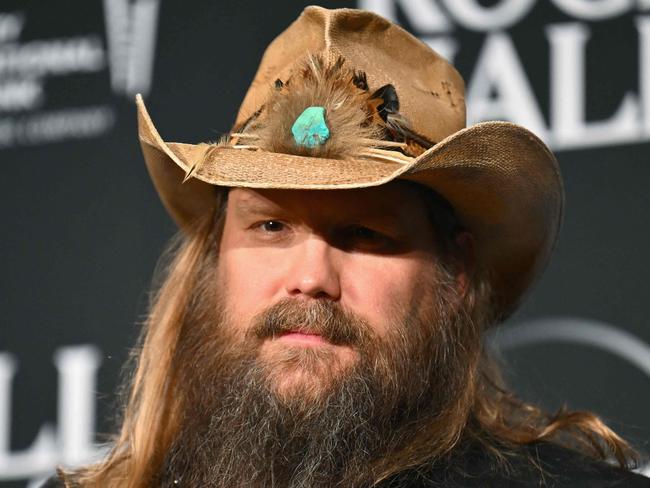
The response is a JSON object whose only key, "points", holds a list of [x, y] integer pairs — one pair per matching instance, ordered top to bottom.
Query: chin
{"points": [[305, 371], [299, 386]]}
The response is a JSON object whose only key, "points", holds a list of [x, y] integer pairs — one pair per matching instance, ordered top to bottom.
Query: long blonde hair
{"points": [[485, 411], [151, 412]]}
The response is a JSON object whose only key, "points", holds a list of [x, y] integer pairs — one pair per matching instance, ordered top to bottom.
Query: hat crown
{"points": [[430, 90]]}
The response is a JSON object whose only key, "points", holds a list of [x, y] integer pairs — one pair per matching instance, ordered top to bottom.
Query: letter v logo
{"points": [[131, 37]]}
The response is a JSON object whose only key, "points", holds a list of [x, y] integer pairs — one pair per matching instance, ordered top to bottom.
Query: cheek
{"points": [[250, 283], [383, 288]]}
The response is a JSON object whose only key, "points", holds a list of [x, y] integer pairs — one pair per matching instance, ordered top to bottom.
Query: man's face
{"points": [[371, 251], [324, 336]]}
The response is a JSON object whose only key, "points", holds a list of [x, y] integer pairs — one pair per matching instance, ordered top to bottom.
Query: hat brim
{"points": [[502, 180]]}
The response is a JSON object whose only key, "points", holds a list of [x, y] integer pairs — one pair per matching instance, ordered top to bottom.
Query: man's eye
{"points": [[272, 226], [364, 233], [360, 235], [366, 239]]}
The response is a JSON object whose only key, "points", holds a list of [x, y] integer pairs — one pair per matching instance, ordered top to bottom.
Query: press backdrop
{"points": [[82, 227]]}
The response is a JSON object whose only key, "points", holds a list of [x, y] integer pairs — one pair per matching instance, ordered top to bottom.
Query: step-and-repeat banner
{"points": [[82, 228]]}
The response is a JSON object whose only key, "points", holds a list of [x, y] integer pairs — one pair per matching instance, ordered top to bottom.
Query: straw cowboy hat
{"points": [[346, 99]]}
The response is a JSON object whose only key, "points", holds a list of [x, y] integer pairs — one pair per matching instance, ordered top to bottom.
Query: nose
{"points": [[313, 271]]}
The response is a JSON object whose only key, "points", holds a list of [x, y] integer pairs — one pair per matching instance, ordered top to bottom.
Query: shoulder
{"points": [[541, 465], [554, 466]]}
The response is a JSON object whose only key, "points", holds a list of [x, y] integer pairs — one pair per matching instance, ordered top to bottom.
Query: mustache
{"points": [[325, 318]]}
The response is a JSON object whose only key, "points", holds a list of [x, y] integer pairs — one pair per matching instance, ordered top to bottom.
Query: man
{"points": [[345, 247]]}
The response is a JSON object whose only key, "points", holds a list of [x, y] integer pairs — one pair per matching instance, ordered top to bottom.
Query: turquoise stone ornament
{"points": [[310, 129]]}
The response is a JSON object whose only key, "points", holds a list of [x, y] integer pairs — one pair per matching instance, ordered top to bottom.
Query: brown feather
{"points": [[320, 82], [360, 123]]}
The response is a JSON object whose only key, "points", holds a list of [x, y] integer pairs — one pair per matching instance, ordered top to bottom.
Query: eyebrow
{"points": [[251, 205], [254, 206], [383, 212], [373, 215]]}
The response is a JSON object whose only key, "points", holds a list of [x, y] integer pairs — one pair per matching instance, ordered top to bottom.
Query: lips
{"points": [[302, 337]]}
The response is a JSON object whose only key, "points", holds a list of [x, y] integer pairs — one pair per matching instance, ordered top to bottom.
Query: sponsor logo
{"points": [[26, 66], [499, 86], [69, 442]]}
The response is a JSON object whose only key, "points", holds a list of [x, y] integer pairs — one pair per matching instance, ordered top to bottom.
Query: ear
{"points": [[466, 261]]}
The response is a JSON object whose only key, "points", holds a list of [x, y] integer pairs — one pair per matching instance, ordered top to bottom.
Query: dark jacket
{"points": [[542, 465], [552, 467]]}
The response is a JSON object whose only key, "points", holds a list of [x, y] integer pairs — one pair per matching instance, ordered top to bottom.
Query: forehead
{"points": [[395, 200]]}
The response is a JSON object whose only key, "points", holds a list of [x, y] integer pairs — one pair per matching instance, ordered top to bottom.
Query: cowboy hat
{"points": [[346, 99]]}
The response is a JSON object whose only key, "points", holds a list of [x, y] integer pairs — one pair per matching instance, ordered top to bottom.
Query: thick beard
{"points": [[239, 430]]}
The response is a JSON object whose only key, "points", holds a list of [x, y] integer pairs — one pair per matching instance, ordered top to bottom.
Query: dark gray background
{"points": [[83, 228]]}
